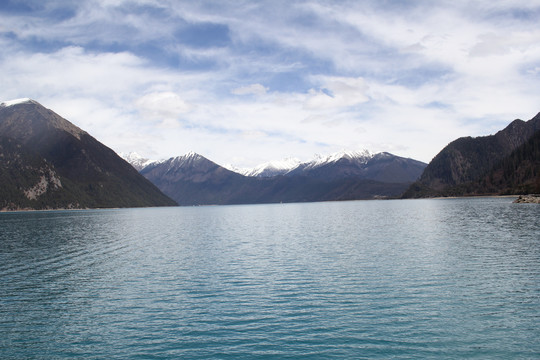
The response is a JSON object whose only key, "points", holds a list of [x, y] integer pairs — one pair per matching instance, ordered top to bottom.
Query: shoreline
{"points": [[471, 196], [374, 199]]}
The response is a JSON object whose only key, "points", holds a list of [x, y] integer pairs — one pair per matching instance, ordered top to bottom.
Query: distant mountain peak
{"points": [[17, 102], [29, 115], [192, 155], [361, 156], [188, 157], [136, 160], [189, 160], [189, 167], [273, 168], [238, 170]]}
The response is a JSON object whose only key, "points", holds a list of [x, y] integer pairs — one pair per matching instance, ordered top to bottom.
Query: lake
{"points": [[448, 278]]}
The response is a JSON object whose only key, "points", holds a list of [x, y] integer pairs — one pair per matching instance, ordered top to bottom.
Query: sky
{"points": [[245, 82]]}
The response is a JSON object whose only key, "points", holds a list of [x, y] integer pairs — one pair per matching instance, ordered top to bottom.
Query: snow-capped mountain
{"points": [[358, 157], [189, 159], [137, 161], [187, 164], [340, 164], [360, 164], [285, 166], [188, 167], [273, 168], [238, 170], [192, 179], [195, 180]]}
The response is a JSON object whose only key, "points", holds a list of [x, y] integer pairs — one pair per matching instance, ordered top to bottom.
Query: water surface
{"points": [[455, 278]]}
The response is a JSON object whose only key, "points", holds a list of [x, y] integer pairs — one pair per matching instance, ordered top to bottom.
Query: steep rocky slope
{"points": [[49, 163], [464, 165]]}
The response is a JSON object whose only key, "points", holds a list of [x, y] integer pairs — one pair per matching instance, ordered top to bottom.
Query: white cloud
{"points": [[336, 75], [253, 89], [337, 92], [162, 105], [253, 134]]}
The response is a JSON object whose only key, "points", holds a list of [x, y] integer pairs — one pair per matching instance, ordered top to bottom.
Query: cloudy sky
{"points": [[245, 82]]}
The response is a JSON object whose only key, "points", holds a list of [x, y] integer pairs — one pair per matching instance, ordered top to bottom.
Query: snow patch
{"points": [[16, 102], [191, 155], [362, 156], [185, 160], [137, 161], [273, 168], [241, 171]]}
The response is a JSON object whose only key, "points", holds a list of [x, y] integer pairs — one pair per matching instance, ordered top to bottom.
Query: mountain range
{"points": [[46, 162], [507, 162], [192, 179]]}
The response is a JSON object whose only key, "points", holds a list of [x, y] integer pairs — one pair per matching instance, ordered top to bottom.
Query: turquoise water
{"points": [[455, 278]]}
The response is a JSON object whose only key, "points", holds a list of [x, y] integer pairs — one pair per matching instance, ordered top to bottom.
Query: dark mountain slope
{"points": [[468, 160], [390, 168], [89, 173], [518, 173], [28, 180]]}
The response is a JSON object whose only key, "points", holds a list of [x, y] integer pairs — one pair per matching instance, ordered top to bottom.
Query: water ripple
{"points": [[382, 279]]}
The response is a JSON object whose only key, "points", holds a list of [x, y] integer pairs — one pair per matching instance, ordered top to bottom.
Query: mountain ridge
{"points": [[281, 167], [459, 167], [87, 174], [192, 179]]}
